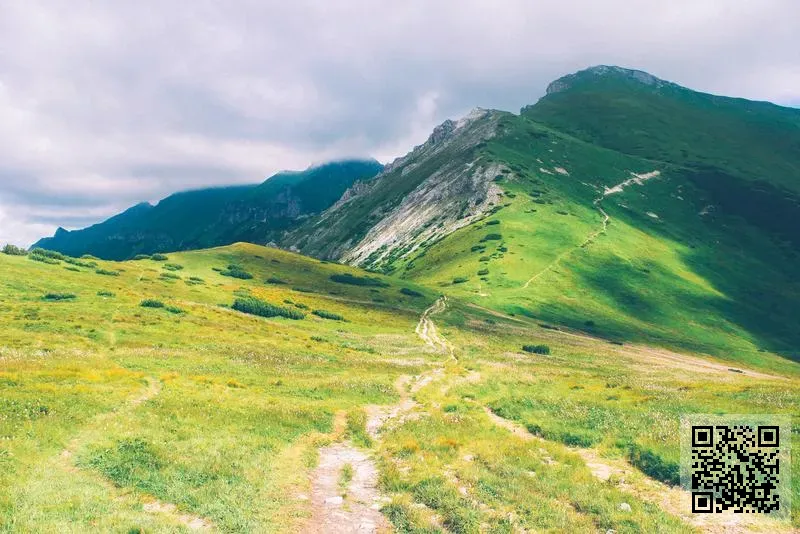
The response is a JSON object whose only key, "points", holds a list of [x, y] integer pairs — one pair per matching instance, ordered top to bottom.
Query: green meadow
{"points": [[139, 397]]}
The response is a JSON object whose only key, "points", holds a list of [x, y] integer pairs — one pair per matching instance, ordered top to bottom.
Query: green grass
{"points": [[220, 413]]}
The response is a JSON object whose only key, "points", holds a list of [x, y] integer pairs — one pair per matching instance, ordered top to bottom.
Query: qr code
{"points": [[736, 464]]}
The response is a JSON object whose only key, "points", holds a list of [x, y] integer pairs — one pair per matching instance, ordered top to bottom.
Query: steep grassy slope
{"points": [[631, 208], [210, 217], [669, 265], [116, 416]]}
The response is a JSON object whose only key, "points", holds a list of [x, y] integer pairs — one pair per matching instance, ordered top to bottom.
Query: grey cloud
{"points": [[104, 104]]}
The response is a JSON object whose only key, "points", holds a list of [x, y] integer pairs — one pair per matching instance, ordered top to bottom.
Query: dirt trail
{"points": [[638, 179], [426, 328], [670, 499], [152, 506], [354, 509]]}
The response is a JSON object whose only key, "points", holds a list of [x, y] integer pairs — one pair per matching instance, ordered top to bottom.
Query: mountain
{"points": [[620, 204], [218, 216]]}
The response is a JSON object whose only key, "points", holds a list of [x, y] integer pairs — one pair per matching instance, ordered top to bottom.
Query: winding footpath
{"points": [[638, 179], [427, 331], [339, 506]]}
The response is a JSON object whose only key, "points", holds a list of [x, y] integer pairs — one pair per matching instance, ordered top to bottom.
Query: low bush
{"points": [[492, 222], [492, 237], [476, 248], [13, 250], [47, 253], [140, 257], [159, 257], [484, 258], [43, 259], [79, 263], [172, 267], [73, 269], [236, 271], [106, 272], [483, 272], [169, 276], [274, 280], [353, 280], [460, 280], [194, 281], [303, 289], [410, 292], [105, 294], [60, 296], [151, 303], [254, 306], [300, 306], [174, 309], [328, 315], [536, 349], [654, 465]]}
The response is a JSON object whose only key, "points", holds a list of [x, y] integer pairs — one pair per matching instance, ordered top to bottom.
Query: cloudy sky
{"points": [[107, 103]]}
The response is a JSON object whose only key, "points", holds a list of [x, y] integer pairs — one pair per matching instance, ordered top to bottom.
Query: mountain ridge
{"points": [[217, 215]]}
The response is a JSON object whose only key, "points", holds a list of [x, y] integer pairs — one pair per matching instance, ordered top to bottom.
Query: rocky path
{"points": [[427, 331], [344, 486], [341, 506]]}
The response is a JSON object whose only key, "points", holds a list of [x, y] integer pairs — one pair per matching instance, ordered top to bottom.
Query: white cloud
{"points": [[104, 104]]}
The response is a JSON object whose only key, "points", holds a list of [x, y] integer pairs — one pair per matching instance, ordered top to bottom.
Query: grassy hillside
{"points": [[669, 266], [121, 415]]}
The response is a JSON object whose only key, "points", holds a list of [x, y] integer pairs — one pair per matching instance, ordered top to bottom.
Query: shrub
{"points": [[492, 222], [492, 237], [476, 248], [13, 250], [47, 253], [140, 257], [159, 257], [484, 258], [43, 259], [79, 263], [172, 267], [73, 269], [236, 271], [106, 272], [483, 272], [170, 276], [274, 280], [353, 280], [460, 280], [194, 281], [302, 289], [410, 292], [105, 294], [60, 296], [151, 303], [255, 306], [301, 306], [174, 309], [328, 315], [589, 324], [536, 349], [654, 465]]}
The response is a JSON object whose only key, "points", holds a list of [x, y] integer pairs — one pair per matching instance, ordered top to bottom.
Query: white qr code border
{"points": [[712, 470]]}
